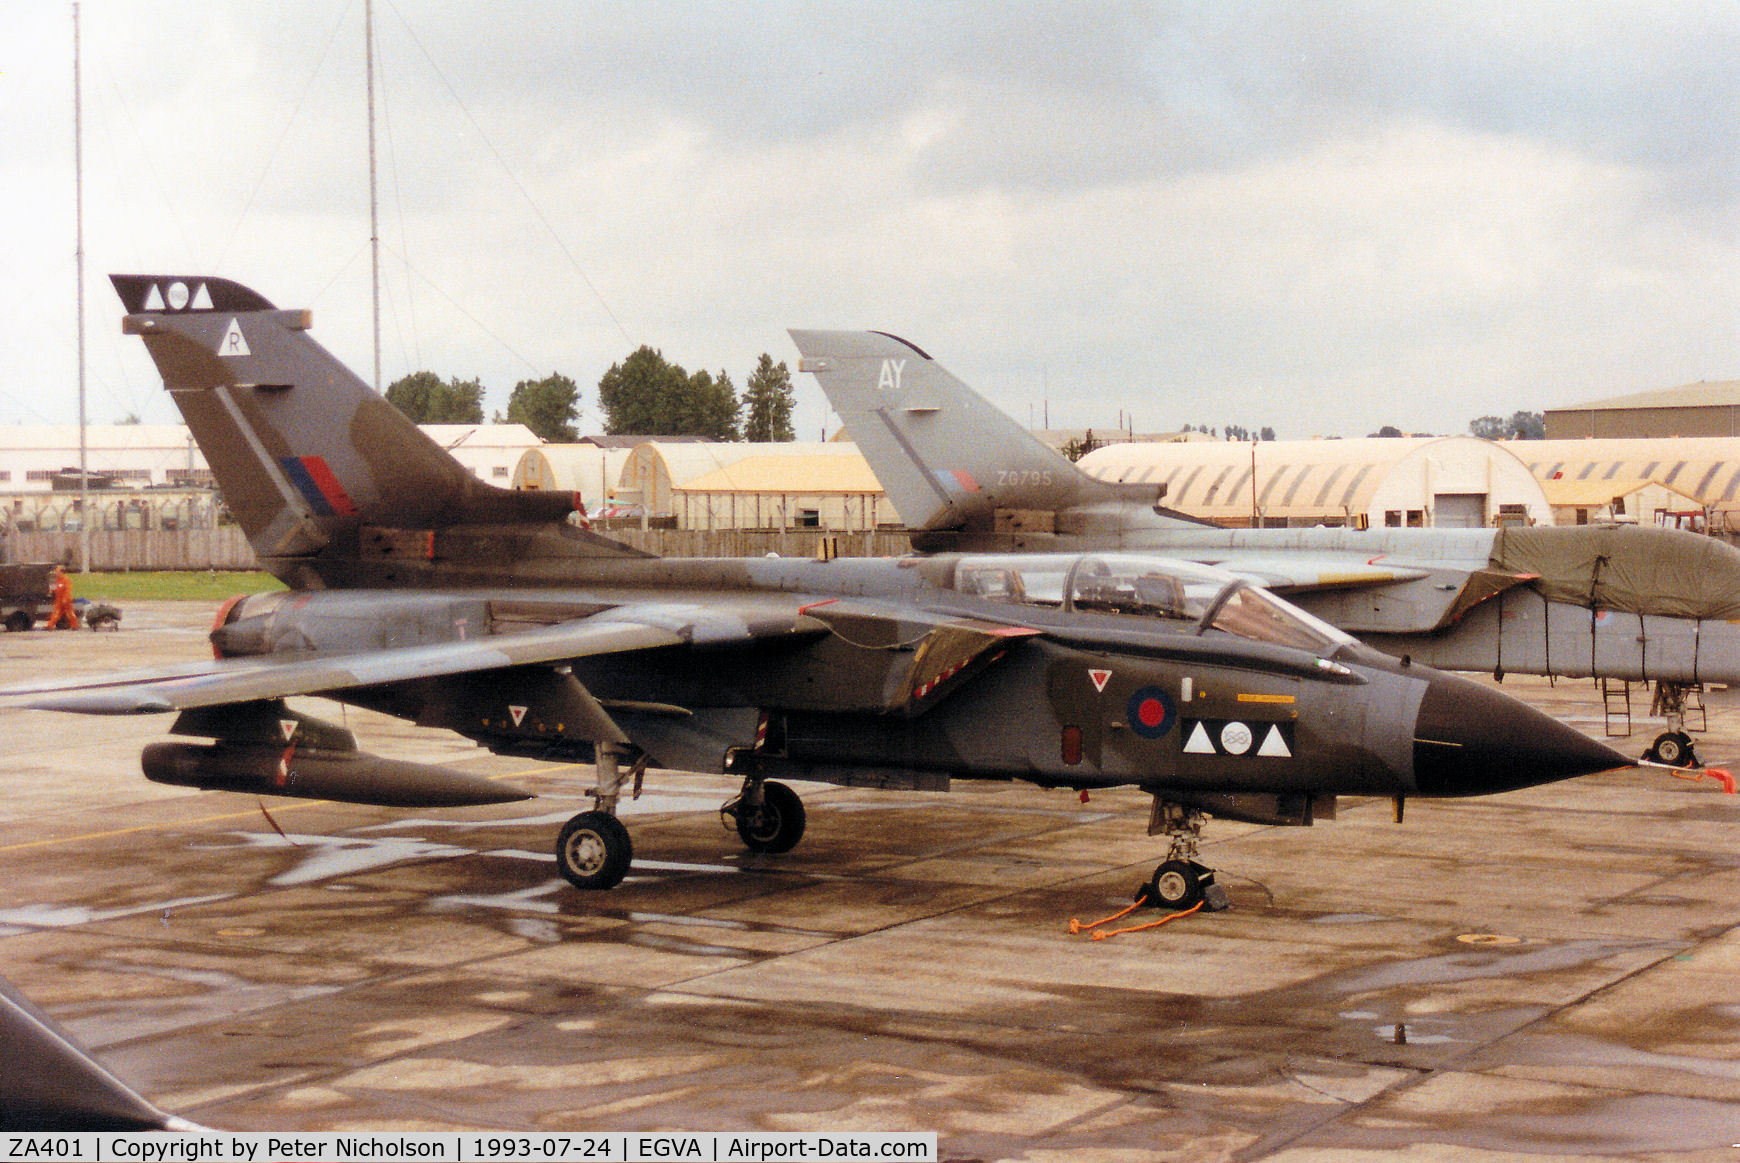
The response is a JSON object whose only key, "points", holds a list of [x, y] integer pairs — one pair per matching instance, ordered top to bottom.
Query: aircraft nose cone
{"points": [[1471, 740]]}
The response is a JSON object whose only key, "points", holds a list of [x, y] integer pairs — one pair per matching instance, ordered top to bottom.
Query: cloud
{"points": [[1324, 217]]}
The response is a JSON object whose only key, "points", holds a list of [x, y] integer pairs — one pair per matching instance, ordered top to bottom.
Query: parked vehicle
{"points": [[25, 593]]}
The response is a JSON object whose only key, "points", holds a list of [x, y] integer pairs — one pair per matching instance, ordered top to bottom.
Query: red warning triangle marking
{"points": [[1100, 678], [518, 713]]}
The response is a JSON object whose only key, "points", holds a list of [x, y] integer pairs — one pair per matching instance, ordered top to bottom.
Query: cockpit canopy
{"points": [[1138, 585]]}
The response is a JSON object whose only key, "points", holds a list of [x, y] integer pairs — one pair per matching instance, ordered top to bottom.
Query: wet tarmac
{"points": [[1554, 972]]}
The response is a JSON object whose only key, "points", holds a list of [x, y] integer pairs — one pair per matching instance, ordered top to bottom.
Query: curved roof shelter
{"points": [[1703, 467], [586, 469], [1443, 481], [741, 485]]}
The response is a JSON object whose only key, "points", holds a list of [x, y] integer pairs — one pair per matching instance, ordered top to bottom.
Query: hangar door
{"points": [[1459, 510]]}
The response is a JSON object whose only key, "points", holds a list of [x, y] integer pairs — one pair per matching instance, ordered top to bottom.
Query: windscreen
{"points": [[1135, 585], [1254, 613]]}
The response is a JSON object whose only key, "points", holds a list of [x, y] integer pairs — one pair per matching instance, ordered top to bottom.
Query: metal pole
{"points": [[374, 211], [79, 215], [1256, 522]]}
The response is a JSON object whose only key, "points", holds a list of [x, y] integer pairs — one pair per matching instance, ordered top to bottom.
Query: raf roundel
{"points": [[1152, 712]]}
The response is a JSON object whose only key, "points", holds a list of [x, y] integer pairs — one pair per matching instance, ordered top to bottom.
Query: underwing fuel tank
{"points": [[354, 777]]}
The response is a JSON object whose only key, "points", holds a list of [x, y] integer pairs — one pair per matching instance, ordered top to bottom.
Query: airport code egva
{"points": [[322, 1147]]}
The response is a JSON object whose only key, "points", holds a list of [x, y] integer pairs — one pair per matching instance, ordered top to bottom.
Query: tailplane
{"points": [[309, 459], [960, 472]]}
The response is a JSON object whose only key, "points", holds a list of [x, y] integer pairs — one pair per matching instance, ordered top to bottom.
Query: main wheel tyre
{"points": [[18, 621], [1673, 748], [776, 825], [594, 851], [1175, 886]]}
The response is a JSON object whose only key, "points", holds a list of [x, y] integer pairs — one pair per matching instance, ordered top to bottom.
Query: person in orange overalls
{"points": [[63, 616]]}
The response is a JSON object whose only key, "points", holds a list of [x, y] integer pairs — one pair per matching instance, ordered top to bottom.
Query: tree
{"points": [[647, 395], [427, 399], [767, 402], [547, 406], [711, 408], [1520, 426], [1528, 426], [1388, 431], [1075, 449]]}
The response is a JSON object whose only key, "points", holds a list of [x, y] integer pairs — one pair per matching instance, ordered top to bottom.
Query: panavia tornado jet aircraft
{"points": [[421, 592], [1630, 603]]}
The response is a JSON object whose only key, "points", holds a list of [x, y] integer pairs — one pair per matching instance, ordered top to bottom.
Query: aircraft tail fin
{"points": [[305, 454], [946, 457]]}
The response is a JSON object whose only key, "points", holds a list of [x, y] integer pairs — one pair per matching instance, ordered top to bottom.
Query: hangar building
{"points": [[1711, 408], [588, 469], [1695, 473], [1450, 481], [755, 486]]}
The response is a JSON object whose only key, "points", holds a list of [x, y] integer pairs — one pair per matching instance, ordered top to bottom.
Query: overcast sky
{"points": [[1323, 217]]}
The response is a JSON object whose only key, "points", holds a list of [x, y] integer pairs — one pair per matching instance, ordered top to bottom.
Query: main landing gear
{"points": [[768, 814], [593, 850], [1181, 881]]}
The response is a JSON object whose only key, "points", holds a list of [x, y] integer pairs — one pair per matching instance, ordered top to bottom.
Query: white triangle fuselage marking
{"points": [[1100, 678], [519, 714], [288, 726], [1199, 743], [1274, 746]]}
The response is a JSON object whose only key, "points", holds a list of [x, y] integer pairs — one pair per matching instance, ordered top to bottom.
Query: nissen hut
{"points": [[1450, 481], [756, 486]]}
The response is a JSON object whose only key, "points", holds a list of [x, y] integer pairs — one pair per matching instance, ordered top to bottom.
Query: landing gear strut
{"points": [[1674, 746], [768, 814], [593, 850], [1181, 881]]}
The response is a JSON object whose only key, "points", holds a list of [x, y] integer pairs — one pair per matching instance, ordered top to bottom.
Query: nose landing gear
{"points": [[1181, 881]]}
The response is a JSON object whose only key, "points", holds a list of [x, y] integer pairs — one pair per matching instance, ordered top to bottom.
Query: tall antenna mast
{"points": [[374, 209], [79, 217]]}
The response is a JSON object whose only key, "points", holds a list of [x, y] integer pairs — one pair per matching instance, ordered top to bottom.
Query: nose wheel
{"points": [[1673, 748], [1181, 881], [1178, 884]]}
